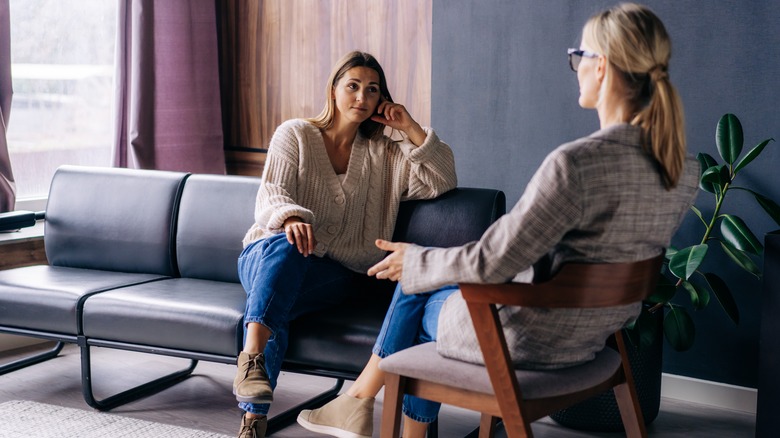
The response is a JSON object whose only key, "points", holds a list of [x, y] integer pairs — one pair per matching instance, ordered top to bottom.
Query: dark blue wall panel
{"points": [[503, 97]]}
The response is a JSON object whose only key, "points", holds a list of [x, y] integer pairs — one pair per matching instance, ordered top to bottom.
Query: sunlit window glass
{"points": [[62, 55]]}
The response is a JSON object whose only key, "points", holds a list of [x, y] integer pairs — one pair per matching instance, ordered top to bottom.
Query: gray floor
{"points": [[204, 401]]}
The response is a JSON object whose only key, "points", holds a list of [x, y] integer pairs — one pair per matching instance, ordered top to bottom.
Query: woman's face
{"points": [[588, 79], [357, 94]]}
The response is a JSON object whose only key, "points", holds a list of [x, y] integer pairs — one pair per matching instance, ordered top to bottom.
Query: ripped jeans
{"points": [[412, 320]]}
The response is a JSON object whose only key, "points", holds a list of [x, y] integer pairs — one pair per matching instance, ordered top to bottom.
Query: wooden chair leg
{"points": [[391, 410], [630, 412], [487, 426]]}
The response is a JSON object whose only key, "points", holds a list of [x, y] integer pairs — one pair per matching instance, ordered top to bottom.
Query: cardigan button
{"points": [[339, 199], [332, 229]]}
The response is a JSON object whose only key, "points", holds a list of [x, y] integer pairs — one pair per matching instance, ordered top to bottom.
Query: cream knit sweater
{"points": [[299, 180]]}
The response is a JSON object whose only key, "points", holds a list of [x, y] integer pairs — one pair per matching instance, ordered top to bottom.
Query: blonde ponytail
{"points": [[635, 42]]}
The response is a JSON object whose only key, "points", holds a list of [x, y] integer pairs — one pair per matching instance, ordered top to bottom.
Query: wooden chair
{"points": [[520, 397]]}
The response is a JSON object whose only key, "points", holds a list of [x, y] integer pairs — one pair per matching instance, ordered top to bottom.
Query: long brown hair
{"points": [[635, 42], [368, 128]]}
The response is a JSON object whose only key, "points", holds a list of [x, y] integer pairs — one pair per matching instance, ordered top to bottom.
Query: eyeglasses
{"points": [[576, 55]]}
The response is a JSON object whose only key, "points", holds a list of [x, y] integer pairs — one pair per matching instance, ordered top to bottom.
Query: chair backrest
{"points": [[214, 215], [457, 217], [112, 219], [576, 285]]}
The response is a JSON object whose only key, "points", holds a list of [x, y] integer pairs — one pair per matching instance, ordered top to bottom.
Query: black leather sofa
{"points": [[146, 261]]}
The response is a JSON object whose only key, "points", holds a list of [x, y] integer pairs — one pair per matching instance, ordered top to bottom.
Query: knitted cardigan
{"points": [[299, 180]]}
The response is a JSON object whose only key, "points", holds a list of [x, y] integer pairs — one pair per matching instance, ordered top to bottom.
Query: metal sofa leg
{"points": [[32, 360], [131, 394], [288, 417]]}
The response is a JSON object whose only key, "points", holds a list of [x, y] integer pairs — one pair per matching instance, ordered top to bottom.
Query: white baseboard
{"points": [[720, 395]]}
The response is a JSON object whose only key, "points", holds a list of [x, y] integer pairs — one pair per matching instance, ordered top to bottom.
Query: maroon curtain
{"points": [[168, 112], [7, 184]]}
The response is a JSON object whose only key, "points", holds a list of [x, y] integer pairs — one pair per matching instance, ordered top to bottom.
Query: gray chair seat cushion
{"points": [[46, 298], [178, 313], [423, 362]]}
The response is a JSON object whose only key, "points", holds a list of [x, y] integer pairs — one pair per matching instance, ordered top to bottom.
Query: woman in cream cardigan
{"points": [[331, 186], [617, 195]]}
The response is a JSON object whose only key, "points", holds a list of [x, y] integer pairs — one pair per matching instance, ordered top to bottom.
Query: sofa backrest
{"points": [[214, 215], [454, 218], [112, 219]]}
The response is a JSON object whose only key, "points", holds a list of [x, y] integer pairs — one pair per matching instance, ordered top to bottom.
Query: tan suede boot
{"points": [[251, 384], [344, 417], [254, 428]]}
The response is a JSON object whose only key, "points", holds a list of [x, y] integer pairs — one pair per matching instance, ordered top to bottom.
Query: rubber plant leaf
{"points": [[729, 138], [751, 155], [705, 162], [716, 176], [770, 206], [736, 232], [741, 259], [687, 260], [665, 290], [723, 295], [700, 296], [645, 326], [679, 329]]}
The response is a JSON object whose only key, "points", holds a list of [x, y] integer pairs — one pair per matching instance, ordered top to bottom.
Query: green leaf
{"points": [[728, 138], [751, 155], [705, 162], [714, 177], [770, 206], [697, 212], [737, 233], [741, 259], [685, 262], [665, 290], [723, 294], [700, 296], [645, 327], [679, 329]]}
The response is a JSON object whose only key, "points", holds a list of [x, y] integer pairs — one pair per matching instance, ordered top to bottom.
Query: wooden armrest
{"points": [[575, 285]]}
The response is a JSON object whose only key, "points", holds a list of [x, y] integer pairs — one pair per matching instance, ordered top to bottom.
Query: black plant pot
{"points": [[601, 413]]}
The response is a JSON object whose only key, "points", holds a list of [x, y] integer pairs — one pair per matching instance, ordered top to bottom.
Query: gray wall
{"points": [[503, 97]]}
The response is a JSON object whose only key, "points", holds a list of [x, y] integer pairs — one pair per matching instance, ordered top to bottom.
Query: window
{"points": [[62, 56]]}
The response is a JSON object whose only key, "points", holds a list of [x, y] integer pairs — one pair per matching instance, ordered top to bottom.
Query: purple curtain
{"points": [[168, 113], [7, 184]]}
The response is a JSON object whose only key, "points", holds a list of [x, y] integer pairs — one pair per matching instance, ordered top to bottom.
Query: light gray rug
{"points": [[22, 419]]}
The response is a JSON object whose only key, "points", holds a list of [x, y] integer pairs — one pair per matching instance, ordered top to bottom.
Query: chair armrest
{"points": [[14, 220], [578, 285]]}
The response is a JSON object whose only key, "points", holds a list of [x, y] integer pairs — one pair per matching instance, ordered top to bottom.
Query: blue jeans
{"points": [[281, 284], [412, 320]]}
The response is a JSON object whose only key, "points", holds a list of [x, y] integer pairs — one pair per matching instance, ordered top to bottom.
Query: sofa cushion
{"points": [[215, 213], [112, 219], [48, 298], [178, 313]]}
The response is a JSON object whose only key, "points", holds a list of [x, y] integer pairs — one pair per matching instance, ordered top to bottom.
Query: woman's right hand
{"points": [[300, 234]]}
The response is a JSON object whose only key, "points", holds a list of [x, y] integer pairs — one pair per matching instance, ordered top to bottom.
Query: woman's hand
{"points": [[396, 116], [300, 234], [392, 266]]}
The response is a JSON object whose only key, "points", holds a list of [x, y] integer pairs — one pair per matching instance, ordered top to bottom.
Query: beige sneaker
{"points": [[251, 384], [344, 417], [254, 428]]}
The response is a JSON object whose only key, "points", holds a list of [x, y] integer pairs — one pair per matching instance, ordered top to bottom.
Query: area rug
{"points": [[22, 419]]}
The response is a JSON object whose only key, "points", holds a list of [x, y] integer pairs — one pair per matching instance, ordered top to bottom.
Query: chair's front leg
{"points": [[391, 410]]}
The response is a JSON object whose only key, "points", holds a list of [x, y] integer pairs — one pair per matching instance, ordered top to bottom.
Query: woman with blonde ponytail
{"points": [[615, 196]]}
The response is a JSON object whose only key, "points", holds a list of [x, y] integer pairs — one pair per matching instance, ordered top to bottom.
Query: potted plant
{"points": [[662, 318]]}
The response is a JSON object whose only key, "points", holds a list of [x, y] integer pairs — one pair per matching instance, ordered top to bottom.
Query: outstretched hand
{"points": [[392, 266]]}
